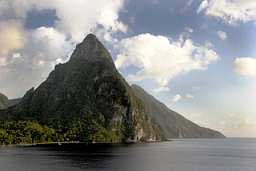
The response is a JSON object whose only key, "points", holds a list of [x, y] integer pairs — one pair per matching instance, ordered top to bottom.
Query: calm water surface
{"points": [[177, 155]]}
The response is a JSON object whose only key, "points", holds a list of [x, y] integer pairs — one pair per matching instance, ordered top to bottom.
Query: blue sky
{"points": [[196, 56]]}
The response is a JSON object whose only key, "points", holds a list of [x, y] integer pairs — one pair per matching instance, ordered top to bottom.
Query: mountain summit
{"points": [[91, 49], [88, 98]]}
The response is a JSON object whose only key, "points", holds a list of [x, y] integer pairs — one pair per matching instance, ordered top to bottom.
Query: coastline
{"points": [[54, 144]]}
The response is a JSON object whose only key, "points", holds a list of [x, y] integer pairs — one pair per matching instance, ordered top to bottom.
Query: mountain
{"points": [[89, 98], [5, 102], [173, 124]]}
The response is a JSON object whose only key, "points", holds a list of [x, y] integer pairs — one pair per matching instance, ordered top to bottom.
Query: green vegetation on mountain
{"points": [[32, 132]]}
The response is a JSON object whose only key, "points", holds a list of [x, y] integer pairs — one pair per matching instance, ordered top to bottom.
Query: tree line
{"points": [[33, 132]]}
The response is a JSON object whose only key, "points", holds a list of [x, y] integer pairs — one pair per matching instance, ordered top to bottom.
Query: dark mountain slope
{"points": [[173, 124]]}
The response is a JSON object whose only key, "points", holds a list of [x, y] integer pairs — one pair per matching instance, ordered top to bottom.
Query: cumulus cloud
{"points": [[230, 11], [84, 16], [75, 20], [189, 29], [222, 35], [47, 43], [161, 59], [245, 66], [161, 89], [189, 96], [179, 97], [176, 98]]}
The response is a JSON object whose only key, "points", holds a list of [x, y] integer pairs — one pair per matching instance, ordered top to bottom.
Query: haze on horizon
{"points": [[196, 56]]}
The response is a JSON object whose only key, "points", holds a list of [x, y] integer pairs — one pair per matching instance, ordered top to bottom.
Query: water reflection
{"points": [[96, 156]]}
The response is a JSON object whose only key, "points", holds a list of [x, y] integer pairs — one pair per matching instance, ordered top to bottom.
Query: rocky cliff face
{"points": [[87, 87], [173, 124]]}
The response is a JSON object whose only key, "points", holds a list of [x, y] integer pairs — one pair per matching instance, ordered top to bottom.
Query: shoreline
{"points": [[78, 143]]}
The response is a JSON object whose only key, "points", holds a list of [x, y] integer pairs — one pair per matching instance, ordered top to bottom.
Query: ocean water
{"points": [[176, 155]]}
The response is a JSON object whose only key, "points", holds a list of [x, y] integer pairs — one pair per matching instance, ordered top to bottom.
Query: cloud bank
{"points": [[230, 11], [75, 20], [161, 59]]}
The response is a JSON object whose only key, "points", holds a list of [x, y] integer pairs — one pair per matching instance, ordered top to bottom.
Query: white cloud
{"points": [[231, 11], [84, 16], [75, 20], [189, 29], [222, 35], [48, 43], [161, 59], [245, 66], [161, 89], [189, 96], [179, 97], [176, 98]]}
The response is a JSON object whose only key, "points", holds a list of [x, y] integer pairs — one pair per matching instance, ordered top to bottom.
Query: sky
{"points": [[196, 56]]}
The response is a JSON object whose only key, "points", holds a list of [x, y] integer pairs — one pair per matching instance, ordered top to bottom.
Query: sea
{"points": [[230, 154]]}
